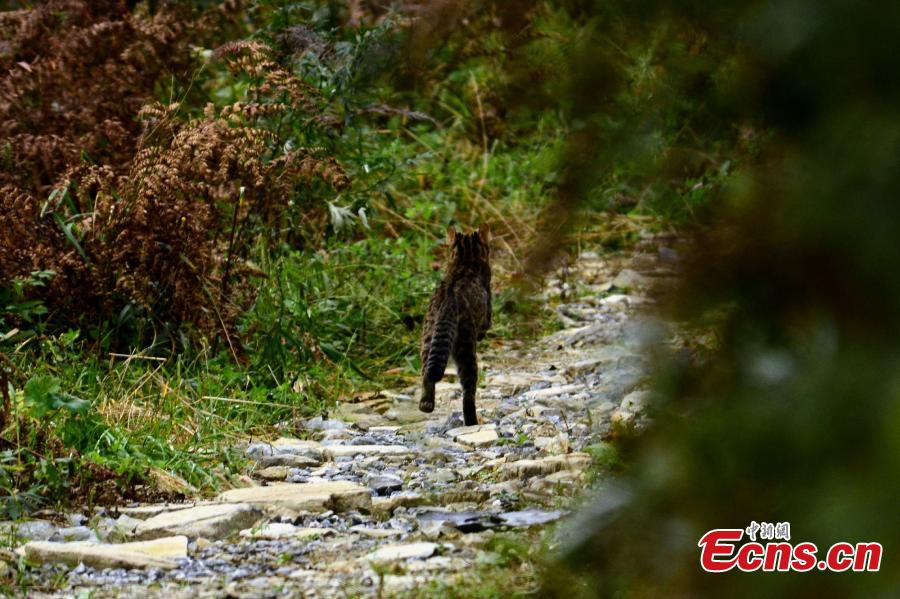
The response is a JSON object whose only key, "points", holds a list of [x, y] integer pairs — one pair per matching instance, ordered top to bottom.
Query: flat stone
{"points": [[629, 279], [604, 359], [516, 381], [554, 391], [407, 414], [362, 419], [318, 423], [384, 429], [453, 433], [332, 437], [478, 438], [558, 444], [294, 445], [285, 446], [337, 451], [288, 460], [542, 467], [276, 473], [441, 475], [565, 478], [385, 484], [552, 485], [507, 487], [461, 495], [339, 496], [386, 505], [142, 512], [530, 517], [214, 521], [282, 530], [376, 533], [159, 553], [393, 553], [301, 573], [392, 584]]}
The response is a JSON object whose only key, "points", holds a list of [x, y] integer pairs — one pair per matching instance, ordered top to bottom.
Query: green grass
{"points": [[509, 565]]}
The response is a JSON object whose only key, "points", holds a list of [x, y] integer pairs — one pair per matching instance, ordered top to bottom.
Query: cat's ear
{"points": [[484, 232], [451, 234]]}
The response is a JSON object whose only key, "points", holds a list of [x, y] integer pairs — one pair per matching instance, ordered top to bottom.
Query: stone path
{"points": [[381, 498]]}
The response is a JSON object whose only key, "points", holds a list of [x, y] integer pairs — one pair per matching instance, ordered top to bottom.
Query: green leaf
{"points": [[68, 338], [39, 392], [43, 394]]}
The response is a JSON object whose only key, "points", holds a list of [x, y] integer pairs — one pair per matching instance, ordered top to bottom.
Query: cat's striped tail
{"points": [[441, 341]]}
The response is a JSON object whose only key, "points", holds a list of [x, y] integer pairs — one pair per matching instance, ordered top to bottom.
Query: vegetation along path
{"points": [[381, 499]]}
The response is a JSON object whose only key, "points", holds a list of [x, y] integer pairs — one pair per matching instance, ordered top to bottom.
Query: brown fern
{"points": [[162, 215]]}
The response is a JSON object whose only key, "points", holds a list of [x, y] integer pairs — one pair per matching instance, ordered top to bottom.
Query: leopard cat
{"points": [[459, 315]]}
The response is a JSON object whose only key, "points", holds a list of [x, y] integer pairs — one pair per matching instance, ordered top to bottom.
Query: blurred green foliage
{"points": [[792, 415]]}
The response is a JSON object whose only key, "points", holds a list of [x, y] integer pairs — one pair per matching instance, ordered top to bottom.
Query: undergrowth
{"points": [[251, 232]]}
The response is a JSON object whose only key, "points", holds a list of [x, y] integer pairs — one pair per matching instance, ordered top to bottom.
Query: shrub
{"points": [[157, 221]]}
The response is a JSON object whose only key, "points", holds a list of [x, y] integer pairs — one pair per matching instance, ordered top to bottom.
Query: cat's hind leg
{"points": [[467, 369]]}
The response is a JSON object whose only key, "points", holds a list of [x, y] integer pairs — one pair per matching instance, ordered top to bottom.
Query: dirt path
{"points": [[381, 498]]}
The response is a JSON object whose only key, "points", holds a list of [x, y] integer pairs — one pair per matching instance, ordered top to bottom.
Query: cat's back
{"points": [[471, 298]]}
